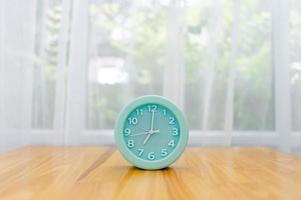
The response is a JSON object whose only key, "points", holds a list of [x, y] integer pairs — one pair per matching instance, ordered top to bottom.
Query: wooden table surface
{"points": [[101, 173]]}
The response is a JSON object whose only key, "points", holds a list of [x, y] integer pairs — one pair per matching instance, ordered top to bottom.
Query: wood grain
{"points": [[101, 173]]}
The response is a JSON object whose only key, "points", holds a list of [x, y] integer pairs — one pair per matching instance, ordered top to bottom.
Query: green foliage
{"points": [[138, 34]]}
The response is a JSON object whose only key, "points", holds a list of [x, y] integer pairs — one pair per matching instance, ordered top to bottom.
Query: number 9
{"points": [[127, 132]]}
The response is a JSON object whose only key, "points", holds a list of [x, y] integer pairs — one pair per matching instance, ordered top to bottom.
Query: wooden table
{"points": [[101, 173]]}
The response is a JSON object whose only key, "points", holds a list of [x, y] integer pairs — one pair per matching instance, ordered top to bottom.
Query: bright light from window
{"points": [[108, 71]]}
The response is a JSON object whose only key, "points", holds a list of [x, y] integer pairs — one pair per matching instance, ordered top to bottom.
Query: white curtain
{"points": [[68, 66]]}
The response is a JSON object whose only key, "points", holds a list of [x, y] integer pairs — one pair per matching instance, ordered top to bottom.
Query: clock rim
{"points": [[132, 158]]}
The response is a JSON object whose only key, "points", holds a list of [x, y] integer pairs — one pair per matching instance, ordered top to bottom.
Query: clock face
{"points": [[151, 132]]}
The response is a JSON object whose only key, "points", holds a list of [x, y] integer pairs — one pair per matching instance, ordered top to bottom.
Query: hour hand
{"points": [[150, 133], [147, 138]]}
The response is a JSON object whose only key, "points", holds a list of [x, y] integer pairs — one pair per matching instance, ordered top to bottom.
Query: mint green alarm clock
{"points": [[151, 132]]}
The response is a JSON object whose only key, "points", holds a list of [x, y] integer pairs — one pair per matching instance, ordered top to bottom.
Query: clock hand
{"points": [[152, 122], [144, 129], [156, 131], [143, 133], [150, 133], [147, 138]]}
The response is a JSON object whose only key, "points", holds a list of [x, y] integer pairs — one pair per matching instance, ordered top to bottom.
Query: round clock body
{"points": [[151, 132]]}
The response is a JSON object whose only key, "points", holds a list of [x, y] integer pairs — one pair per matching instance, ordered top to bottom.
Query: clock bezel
{"points": [[130, 156]]}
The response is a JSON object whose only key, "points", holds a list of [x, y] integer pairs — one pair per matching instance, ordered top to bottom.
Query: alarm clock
{"points": [[151, 132]]}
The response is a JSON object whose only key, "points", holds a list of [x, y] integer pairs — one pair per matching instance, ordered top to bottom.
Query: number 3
{"points": [[175, 131]]}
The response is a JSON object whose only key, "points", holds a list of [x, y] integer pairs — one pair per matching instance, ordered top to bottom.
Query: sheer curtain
{"points": [[68, 66]]}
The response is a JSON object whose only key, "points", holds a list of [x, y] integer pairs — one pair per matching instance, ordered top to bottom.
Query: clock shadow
{"points": [[132, 170], [150, 170], [140, 171], [130, 176]]}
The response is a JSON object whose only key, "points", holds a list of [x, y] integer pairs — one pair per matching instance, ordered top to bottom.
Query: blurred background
{"points": [[68, 66]]}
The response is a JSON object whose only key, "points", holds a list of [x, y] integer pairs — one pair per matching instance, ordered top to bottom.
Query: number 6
{"points": [[151, 155]]}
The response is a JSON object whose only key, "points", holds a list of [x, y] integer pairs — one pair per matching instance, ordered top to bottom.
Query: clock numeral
{"points": [[152, 108], [139, 111], [164, 112], [133, 120], [171, 120], [175, 131], [127, 132], [131, 143], [171, 143], [140, 152], [163, 152], [151, 155]]}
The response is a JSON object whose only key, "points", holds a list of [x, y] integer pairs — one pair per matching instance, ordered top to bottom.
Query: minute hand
{"points": [[152, 122]]}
